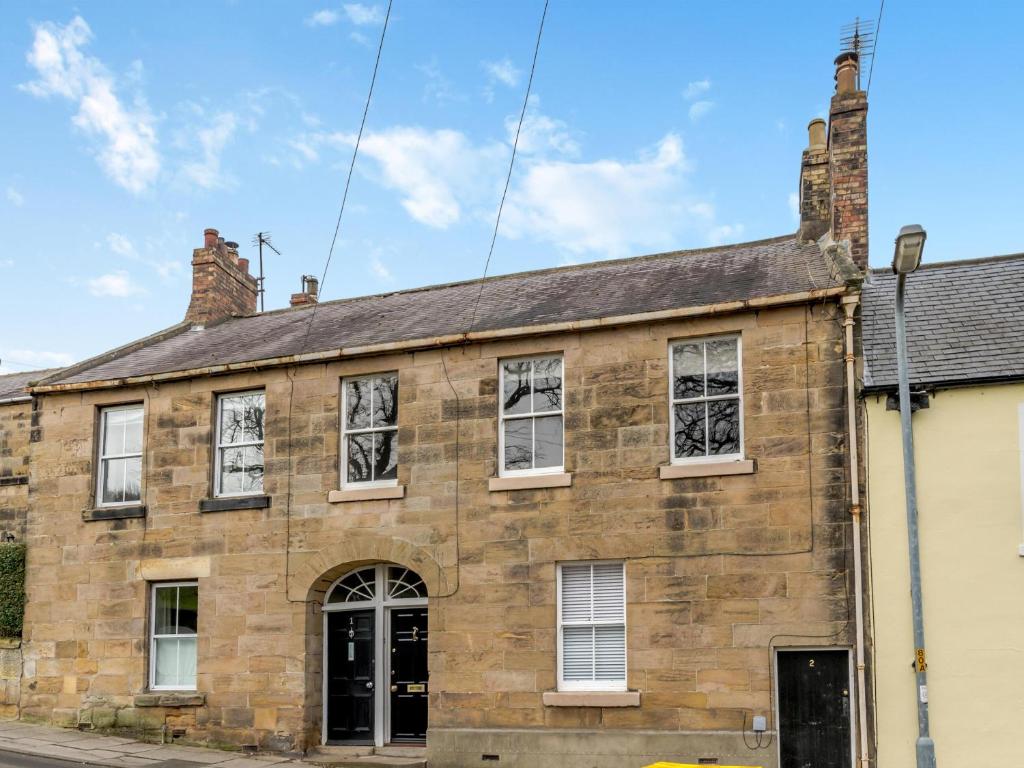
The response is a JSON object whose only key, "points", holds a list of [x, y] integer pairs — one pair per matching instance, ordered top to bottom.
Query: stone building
{"points": [[588, 516]]}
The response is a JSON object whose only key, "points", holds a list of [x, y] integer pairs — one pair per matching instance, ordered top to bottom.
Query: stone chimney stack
{"points": [[848, 159], [814, 184], [221, 284], [309, 295]]}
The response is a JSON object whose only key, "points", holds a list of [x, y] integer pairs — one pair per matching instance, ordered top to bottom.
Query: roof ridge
{"points": [[976, 260], [530, 272]]}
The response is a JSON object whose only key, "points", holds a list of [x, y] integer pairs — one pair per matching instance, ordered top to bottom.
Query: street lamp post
{"points": [[907, 257]]}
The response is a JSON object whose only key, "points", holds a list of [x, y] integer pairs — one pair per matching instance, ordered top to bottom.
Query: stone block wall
{"points": [[15, 434], [719, 569]]}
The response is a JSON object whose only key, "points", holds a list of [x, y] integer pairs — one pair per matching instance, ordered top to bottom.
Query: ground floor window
{"points": [[591, 627], [173, 630]]}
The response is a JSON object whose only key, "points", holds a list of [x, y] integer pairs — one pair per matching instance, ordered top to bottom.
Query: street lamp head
{"points": [[909, 246]]}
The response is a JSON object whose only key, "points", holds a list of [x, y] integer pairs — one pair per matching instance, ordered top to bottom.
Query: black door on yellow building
{"points": [[350, 677], [409, 687], [814, 709]]}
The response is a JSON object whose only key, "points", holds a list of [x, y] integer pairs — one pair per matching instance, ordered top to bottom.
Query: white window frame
{"points": [[673, 402], [532, 415], [345, 432], [219, 447], [102, 457], [153, 636], [592, 685]]}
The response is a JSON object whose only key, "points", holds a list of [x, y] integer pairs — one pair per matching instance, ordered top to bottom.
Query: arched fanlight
{"points": [[404, 584], [357, 587]]}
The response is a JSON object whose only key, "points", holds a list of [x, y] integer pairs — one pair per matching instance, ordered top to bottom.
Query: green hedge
{"points": [[12, 589]]}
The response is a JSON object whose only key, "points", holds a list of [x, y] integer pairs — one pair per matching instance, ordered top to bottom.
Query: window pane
{"points": [[723, 370], [687, 371], [547, 384], [516, 387], [385, 401], [357, 404], [241, 419], [723, 427], [133, 430], [113, 432], [689, 436], [547, 441], [519, 444], [385, 455], [360, 458], [252, 478], [132, 479], [113, 480], [576, 593], [609, 596], [165, 603], [188, 610], [577, 653], [610, 653], [175, 662]]}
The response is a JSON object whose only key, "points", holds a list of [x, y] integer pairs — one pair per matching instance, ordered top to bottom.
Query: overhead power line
{"points": [[878, 26], [511, 164], [351, 168]]}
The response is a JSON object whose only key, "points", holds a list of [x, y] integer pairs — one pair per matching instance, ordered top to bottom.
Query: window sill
{"points": [[708, 469], [14, 480], [528, 482], [366, 494], [229, 503], [113, 513], [591, 698], [170, 699]]}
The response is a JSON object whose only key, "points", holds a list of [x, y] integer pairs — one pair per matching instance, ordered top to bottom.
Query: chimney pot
{"points": [[846, 72], [816, 134], [210, 238], [243, 264], [221, 284]]}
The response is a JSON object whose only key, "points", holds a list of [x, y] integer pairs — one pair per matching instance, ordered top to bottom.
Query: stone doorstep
{"points": [[368, 761]]}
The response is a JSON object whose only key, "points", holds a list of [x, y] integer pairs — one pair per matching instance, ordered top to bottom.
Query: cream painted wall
{"points": [[969, 470]]}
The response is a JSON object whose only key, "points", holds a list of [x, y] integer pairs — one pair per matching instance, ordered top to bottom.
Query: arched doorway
{"points": [[375, 657]]}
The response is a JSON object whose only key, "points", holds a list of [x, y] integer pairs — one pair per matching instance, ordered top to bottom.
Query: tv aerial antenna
{"points": [[858, 37], [259, 240]]}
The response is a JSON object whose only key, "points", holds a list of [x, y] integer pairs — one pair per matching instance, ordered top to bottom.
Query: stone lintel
{"points": [[708, 469], [529, 482], [231, 503], [174, 568]]}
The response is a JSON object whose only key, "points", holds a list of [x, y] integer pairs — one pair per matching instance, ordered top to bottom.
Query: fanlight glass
{"points": [[403, 584], [357, 587]]}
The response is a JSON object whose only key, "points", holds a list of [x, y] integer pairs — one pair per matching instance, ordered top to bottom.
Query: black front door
{"points": [[350, 674], [409, 674], [814, 709]]}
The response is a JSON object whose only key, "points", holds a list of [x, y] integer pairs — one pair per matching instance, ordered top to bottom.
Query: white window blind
{"points": [[592, 627]]}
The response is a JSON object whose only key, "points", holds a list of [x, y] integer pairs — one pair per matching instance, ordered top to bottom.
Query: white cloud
{"points": [[363, 15], [324, 18], [503, 72], [438, 87], [696, 88], [700, 109], [541, 133], [127, 135], [212, 139], [435, 172], [14, 197], [794, 205], [725, 233], [121, 245], [6, 262], [380, 270], [117, 283], [28, 359]]}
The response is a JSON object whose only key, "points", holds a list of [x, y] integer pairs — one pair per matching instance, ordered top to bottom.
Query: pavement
{"points": [[35, 746]]}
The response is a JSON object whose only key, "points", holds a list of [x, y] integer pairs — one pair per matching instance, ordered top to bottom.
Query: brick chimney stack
{"points": [[848, 159], [814, 184], [221, 284], [310, 290]]}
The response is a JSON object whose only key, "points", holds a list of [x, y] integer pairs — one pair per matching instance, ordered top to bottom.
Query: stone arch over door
{"points": [[313, 573]]}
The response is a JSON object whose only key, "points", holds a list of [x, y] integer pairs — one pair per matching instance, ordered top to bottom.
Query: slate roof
{"points": [[581, 292], [965, 323], [12, 385]]}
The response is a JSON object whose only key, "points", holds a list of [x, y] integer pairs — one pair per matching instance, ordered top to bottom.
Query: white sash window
{"points": [[591, 627]]}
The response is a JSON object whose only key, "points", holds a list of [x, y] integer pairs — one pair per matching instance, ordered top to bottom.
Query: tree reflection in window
{"points": [[706, 398], [531, 414], [371, 429], [240, 439]]}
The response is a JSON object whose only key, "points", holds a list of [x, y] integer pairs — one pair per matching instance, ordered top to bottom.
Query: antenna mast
{"points": [[858, 37], [260, 239]]}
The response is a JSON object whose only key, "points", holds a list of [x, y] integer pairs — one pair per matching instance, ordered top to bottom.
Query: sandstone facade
{"points": [[720, 570]]}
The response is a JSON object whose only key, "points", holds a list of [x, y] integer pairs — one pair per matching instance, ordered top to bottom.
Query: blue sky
{"points": [[130, 127]]}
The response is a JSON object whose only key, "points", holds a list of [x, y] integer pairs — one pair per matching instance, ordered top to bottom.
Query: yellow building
{"points": [[966, 343]]}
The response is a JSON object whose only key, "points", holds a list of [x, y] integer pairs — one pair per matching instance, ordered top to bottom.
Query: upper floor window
{"points": [[707, 413], [240, 420], [531, 434], [369, 442], [119, 479], [591, 627]]}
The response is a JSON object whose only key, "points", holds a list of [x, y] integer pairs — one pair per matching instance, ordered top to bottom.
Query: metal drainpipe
{"points": [[849, 307]]}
